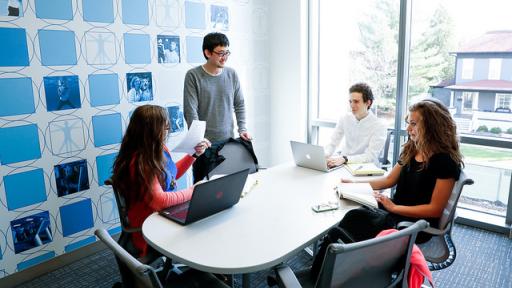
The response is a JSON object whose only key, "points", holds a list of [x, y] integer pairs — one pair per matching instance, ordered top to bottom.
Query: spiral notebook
{"points": [[364, 169]]}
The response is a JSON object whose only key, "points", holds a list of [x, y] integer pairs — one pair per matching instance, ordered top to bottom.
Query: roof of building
{"points": [[490, 42], [444, 83], [484, 85]]}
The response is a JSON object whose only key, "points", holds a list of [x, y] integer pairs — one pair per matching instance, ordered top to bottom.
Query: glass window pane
{"points": [[357, 43], [464, 60], [491, 168]]}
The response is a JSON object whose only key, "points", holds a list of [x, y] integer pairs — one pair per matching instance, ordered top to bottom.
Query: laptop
{"points": [[310, 156], [208, 198]]}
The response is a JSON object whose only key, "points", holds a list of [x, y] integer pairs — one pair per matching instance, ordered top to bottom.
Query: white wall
{"points": [[249, 35], [288, 76]]}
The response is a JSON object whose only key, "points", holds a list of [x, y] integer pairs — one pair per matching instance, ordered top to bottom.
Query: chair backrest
{"points": [[237, 158], [383, 159], [451, 206], [121, 208], [377, 262], [143, 275]]}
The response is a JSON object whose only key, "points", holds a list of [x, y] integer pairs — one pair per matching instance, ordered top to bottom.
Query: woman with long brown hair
{"points": [[144, 171], [424, 176]]}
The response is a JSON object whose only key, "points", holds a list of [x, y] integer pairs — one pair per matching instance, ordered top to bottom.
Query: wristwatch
{"points": [[346, 158]]}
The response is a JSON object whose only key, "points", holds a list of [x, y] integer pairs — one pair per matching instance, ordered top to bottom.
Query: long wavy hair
{"points": [[437, 133], [142, 147]]}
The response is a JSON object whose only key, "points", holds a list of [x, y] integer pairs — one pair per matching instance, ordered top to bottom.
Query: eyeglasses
{"points": [[222, 53]]}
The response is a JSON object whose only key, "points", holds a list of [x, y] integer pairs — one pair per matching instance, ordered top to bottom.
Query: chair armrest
{"points": [[403, 225], [131, 230], [429, 230], [286, 277]]}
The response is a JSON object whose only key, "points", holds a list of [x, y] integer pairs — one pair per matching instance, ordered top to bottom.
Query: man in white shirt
{"points": [[363, 133]]}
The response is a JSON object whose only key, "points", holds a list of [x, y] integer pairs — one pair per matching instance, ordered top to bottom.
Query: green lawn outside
{"points": [[485, 153]]}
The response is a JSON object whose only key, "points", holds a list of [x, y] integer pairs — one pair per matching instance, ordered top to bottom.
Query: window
{"points": [[358, 41], [352, 42], [467, 68], [494, 69], [469, 101], [503, 101]]}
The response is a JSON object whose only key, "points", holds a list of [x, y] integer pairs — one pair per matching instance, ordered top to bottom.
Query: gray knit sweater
{"points": [[214, 99]]}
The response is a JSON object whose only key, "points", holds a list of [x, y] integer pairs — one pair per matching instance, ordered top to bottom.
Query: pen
{"points": [[359, 168]]}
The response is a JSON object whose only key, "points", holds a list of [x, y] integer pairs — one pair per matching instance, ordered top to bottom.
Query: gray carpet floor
{"points": [[484, 259]]}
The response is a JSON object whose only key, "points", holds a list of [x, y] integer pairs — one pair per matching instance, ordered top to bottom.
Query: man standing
{"points": [[212, 92], [364, 133]]}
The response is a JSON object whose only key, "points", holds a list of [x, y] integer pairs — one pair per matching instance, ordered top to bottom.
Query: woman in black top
{"points": [[424, 176]]}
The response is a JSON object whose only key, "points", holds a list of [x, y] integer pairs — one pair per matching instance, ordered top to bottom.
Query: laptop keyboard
{"points": [[179, 211]]}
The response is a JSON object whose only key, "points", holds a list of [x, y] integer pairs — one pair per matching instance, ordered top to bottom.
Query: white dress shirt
{"points": [[363, 139]]}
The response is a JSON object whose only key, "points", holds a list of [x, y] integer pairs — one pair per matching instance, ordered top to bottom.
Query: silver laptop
{"points": [[310, 156]]}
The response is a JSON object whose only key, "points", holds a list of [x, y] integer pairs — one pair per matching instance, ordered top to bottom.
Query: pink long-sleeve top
{"points": [[158, 199]]}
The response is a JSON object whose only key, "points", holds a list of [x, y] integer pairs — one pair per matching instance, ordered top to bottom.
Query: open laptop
{"points": [[310, 156], [209, 198]]}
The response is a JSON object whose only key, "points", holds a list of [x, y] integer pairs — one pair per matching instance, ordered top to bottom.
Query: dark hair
{"points": [[212, 40], [364, 89], [437, 133], [142, 148]]}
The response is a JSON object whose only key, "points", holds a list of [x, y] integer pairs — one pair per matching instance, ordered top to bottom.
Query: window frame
{"points": [[468, 67], [494, 68], [497, 103]]}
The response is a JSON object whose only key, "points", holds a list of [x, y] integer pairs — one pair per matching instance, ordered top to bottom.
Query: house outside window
{"points": [[467, 68], [494, 69], [469, 101], [503, 101]]}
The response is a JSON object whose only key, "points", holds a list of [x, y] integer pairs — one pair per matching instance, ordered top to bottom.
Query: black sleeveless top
{"points": [[415, 185]]}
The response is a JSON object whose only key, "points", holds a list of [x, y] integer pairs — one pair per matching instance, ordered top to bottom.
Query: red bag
{"points": [[418, 270]]}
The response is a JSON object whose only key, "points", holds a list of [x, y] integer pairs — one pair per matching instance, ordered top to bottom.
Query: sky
{"points": [[471, 18]]}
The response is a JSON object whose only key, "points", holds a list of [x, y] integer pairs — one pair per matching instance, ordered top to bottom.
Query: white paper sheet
{"points": [[194, 135]]}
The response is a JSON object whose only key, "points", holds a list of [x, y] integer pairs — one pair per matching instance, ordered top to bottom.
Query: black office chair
{"points": [[237, 158], [383, 158], [126, 230], [440, 250], [153, 257], [377, 262], [143, 275]]}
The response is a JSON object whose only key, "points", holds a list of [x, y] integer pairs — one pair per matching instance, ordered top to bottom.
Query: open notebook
{"points": [[364, 169], [361, 193]]}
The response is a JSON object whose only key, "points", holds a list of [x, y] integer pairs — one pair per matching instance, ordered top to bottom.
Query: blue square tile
{"points": [[54, 9], [5, 10], [98, 11], [135, 12], [195, 15], [57, 47], [137, 48], [195, 49], [13, 51], [103, 89], [62, 92], [16, 96], [107, 129], [19, 143], [104, 164], [24, 189], [76, 217], [31, 231], [81, 243], [36, 260]]}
